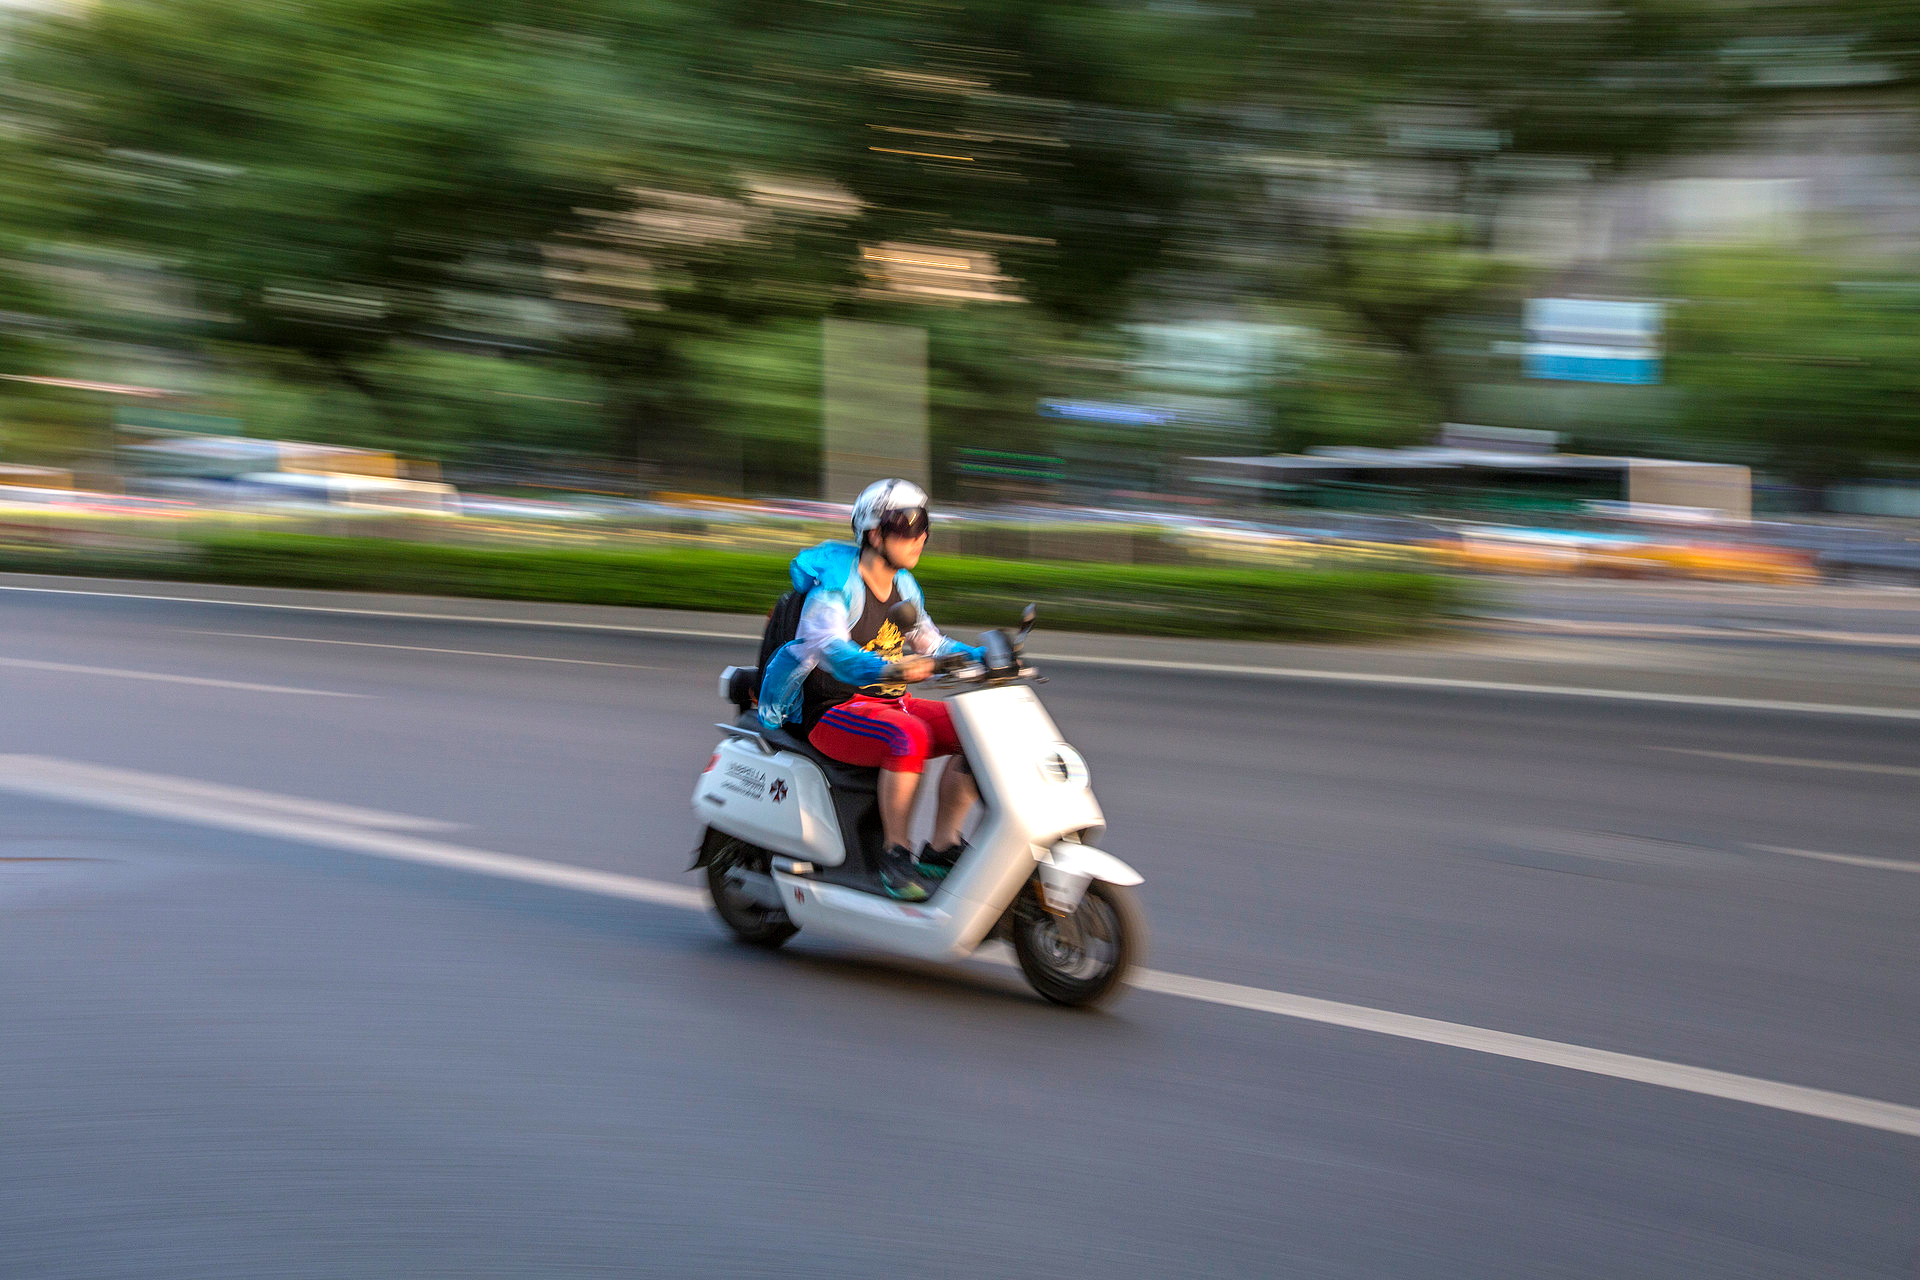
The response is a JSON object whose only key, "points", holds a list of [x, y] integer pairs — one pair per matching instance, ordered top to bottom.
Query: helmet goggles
{"points": [[909, 522]]}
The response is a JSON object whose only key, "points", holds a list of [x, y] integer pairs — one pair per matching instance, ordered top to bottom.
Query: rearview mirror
{"points": [[905, 615], [1027, 615]]}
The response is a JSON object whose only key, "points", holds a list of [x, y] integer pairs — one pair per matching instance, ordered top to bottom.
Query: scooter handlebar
{"points": [[1001, 658]]}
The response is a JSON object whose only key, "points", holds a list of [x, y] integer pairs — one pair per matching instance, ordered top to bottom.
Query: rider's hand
{"points": [[913, 668]]}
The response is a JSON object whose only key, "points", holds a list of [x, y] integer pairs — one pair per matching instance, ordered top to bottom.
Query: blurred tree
{"points": [[1365, 150], [325, 171], [662, 197], [1399, 281], [1801, 364], [990, 367], [1342, 386], [759, 388], [450, 406]]}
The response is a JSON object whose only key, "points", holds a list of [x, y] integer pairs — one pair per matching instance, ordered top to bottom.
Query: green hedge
{"points": [[1143, 600]]}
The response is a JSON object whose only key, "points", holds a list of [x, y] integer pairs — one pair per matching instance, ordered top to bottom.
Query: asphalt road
{"points": [[1725, 611], [229, 1055]]}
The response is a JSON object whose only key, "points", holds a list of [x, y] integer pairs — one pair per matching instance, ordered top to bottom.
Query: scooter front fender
{"points": [[1075, 859]]}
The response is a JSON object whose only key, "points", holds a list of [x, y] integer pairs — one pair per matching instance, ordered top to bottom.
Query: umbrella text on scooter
{"points": [[745, 780]]}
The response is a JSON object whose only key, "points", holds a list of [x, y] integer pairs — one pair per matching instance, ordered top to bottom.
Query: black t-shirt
{"points": [[875, 633]]}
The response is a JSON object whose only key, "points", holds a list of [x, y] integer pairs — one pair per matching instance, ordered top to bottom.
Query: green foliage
{"points": [[1397, 281], [1808, 365], [990, 367], [761, 386], [1347, 388], [420, 402], [459, 407]]}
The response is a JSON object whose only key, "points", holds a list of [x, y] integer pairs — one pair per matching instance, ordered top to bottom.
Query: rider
{"points": [[844, 678]]}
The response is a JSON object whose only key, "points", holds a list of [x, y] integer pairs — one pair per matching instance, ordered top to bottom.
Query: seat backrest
{"points": [[783, 624]]}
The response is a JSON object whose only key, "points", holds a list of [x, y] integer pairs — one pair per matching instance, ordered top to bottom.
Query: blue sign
{"points": [[1591, 340], [1571, 363], [1131, 415]]}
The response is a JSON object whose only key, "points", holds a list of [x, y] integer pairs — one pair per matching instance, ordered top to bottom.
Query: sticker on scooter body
{"points": [[774, 799]]}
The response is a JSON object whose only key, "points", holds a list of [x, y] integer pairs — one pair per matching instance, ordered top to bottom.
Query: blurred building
{"points": [[1832, 161], [1477, 469]]}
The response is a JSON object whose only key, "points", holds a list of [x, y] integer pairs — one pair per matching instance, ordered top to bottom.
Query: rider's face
{"points": [[904, 552]]}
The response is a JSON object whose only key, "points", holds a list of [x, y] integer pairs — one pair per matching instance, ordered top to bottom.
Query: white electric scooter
{"points": [[792, 835]]}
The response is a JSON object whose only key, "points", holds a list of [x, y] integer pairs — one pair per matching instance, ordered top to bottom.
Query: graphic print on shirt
{"points": [[887, 643]]}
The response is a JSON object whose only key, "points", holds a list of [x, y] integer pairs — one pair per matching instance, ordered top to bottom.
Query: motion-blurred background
{"points": [[1487, 281], [1572, 937]]}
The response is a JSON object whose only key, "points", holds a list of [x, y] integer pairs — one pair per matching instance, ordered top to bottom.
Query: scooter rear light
{"points": [[712, 760]]}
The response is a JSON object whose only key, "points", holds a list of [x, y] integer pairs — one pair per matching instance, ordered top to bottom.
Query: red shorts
{"points": [[895, 735]]}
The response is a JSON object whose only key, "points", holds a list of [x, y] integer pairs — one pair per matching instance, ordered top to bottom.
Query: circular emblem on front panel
{"points": [[1063, 764]]}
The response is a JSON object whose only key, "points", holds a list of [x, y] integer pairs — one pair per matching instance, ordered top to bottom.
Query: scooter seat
{"points": [[841, 776]]}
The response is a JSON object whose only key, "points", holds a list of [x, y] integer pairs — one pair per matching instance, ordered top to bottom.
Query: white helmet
{"points": [[884, 498]]}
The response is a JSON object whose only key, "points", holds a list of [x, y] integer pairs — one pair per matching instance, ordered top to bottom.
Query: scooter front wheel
{"points": [[749, 921], [1081, 959]]}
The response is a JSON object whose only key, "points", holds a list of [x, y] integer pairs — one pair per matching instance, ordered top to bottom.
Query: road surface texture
{"points": [[246, 1032]]}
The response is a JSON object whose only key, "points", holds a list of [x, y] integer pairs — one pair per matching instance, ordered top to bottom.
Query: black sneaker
{"points": [[934, 864], [899, 876]]}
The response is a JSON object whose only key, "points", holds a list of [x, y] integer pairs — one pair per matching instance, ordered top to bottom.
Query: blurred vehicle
{"points": [[305, 489], [88, 502], [481, 504], [804, 509], [1493, 549], [792, 836]]}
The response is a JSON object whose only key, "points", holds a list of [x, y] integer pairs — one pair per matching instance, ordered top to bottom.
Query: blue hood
{"points": [[830, 564]]}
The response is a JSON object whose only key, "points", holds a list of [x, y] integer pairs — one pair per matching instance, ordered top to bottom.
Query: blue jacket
{"points": [[830, 575]]}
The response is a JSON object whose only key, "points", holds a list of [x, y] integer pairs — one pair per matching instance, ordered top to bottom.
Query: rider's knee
{"points": [[909, 745]]}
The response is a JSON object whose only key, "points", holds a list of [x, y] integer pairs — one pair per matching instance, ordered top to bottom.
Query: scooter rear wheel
{"points": [[749, 921], [1083, 958]]}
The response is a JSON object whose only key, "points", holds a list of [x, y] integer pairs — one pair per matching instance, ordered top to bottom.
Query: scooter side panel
{"points": [[773, 799], [944, 928]]}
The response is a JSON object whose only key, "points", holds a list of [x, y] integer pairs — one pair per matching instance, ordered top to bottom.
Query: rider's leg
{"points": [[870, 731], [957, 790], [897, 793], [957, 794]]}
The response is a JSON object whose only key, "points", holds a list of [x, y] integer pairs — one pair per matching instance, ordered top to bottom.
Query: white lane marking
{"points": [[560, 623], [1663, 630], [421, 648], [1151, 664], [119, 673], [1494, 686], [1798, 762], [73, 775], [60, 780], [159, 796], [1845, 859], [1890, 1117]]}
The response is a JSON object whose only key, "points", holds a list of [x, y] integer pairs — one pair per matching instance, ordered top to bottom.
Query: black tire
{"points": [[750, 922], [1081, 959]]}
